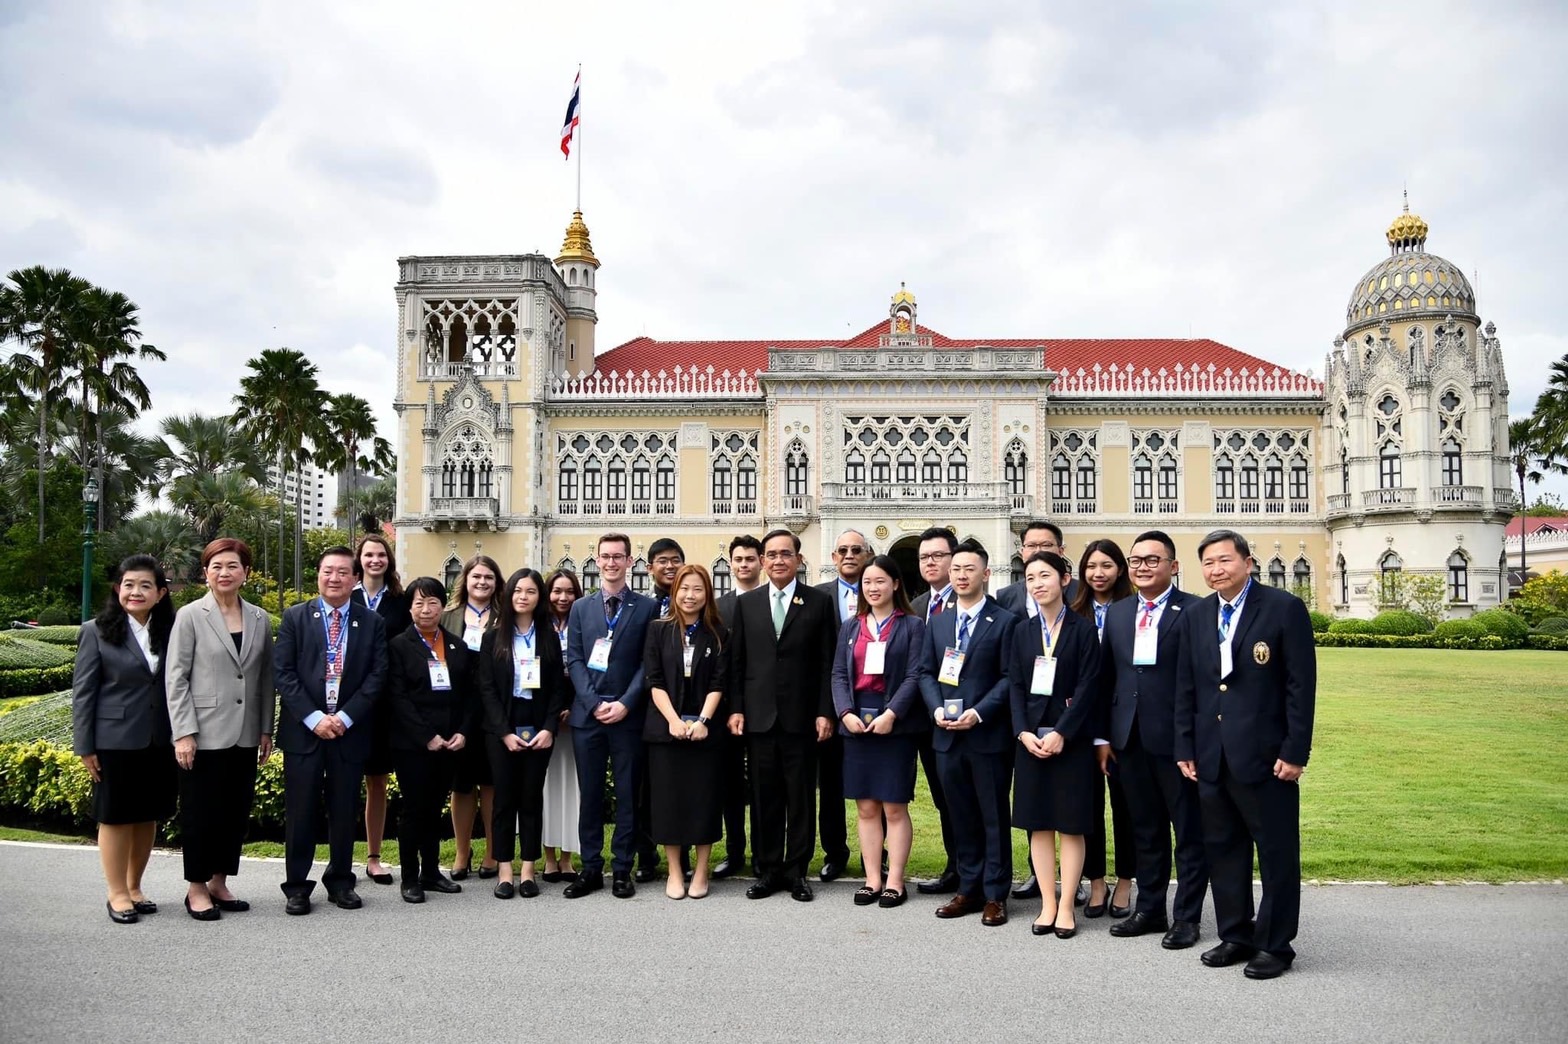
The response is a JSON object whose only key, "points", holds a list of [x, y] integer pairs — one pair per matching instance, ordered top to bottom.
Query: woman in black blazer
{"points": [[380, 589], [686, 666], [1054, 683], [523, 690], [876, 695], [434, 717], [120, 727]]}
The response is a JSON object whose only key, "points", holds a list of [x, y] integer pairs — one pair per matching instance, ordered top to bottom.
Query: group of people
{"points": [[530, 702]]}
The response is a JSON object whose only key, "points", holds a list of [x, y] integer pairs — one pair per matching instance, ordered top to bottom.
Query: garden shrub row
{"points": [[64, 634], [1453, 639], [25, 652], [35, 681]]}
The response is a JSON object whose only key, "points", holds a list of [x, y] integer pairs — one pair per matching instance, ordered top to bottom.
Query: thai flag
{"points": [[570, 126]]}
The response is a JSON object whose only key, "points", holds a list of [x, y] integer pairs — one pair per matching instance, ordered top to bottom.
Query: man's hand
{"points": [[610, 712], [966, 721], [737, 724], [852, 724], [882, 724], [328, 727], [824, 729], [543, 740], [456, 742], [512, 742], [436, 743], [1053, 743], [264, 751], [1103, 755], [1189, 769], [1284, 770]]}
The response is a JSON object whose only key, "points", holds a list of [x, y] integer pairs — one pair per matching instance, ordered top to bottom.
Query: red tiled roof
{"points": [[1062, 356], [1536, 523]]}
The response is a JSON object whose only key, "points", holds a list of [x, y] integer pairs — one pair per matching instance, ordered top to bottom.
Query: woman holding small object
{"points": [[379, 589], [471, 615], [561, 797]]}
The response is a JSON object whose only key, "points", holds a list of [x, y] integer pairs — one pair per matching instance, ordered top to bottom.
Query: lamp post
{"points": [[89, 517]]}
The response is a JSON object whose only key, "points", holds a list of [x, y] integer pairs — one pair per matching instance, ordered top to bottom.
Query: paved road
{"points": [[1457, 963]]}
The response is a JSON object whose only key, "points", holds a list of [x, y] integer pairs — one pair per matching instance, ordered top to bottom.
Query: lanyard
{"points": [[941, 597], [371, 603], [1235, 607], [481, 613], [1148, 614], [611, 621], [879, 628], [691, 629], [1045, 629], [560, 632], [524, 638], [428, 647], [334, 652]]}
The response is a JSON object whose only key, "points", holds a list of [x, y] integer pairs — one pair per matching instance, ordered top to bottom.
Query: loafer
{"points": [[727, 867], [831, 871], [647, 872], [552, 876], [587, 883], [441, 884], [946, 884], [622, 887], [762, 887], [528, 889], [1030, 889], [504, 890], [800, 890], [412, 893], [865, 895], [889, 898], [348, 899], [231, 905], [297, 905], [146, 906], [959, 906], [209, 914], [994, 915], [122, 916], [1140, 924], [1036, 928], [1182, 936], [1226, 954], [1265, 965]]}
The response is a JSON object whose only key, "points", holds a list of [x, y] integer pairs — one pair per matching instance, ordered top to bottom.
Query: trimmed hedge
{"points": [[1321, 621], [1400, 621], [1504, 624], [1350, 625], [1553, 625], [1459, 629], [65, 634], [1363, 640], [16, 653], [35, 681]]}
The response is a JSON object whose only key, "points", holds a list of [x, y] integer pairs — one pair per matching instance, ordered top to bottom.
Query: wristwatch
{"points": [[703, 720]]}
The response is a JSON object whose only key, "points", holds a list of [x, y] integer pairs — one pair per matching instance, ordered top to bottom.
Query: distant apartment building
{"points": [[320, 493]]}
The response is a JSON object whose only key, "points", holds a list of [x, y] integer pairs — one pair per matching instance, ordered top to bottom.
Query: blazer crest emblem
{"points": [[1260, 653]]}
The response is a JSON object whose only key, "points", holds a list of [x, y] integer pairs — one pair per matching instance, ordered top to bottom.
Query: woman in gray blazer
{"points": [[221, 704], [120, 727]]}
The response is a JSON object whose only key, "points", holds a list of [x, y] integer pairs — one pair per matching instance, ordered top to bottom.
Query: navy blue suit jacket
{"points": [[901, 668], [299, 670], [624, 679], [982, 684], [1146, 695], [1072, 709]]}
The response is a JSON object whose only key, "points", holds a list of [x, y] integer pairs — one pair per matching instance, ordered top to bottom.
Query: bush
{"points": [[1540, 598], [55, 615], [1321, 621], [1400, 621], [1503, 624], [1350, 625], [1553, 625], [1450, 629], [64, 634], [1365, 640], [1548, 642], [17, 653], [35, 681]]}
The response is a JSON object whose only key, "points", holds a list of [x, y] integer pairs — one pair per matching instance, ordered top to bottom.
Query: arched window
{"points": [[854, 468], [881, 468], [931, 468], [957, 468], [467, 469], [906, 469], [1015, 469], [797, 470], [1344, 471], [1273, 478], [1142, 482], [1249, 482], [641, 484], [1224, 484], [593, 485], [746, 485], [615, 486], [664, 486], [721, 486], [1168, 487], [566, 488], [566, 565], [1389, 567], [1016, 568], [452, 571], [1257, 571], [1276, 572], [590, 575], [1301, 576], [721, 578], [1458, 578], [640, 579], [1344, 580]]}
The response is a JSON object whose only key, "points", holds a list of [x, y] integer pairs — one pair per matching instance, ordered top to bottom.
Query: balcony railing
{"points": [[481, 368], [910, 492], [1504, 495], [1398, 496], [1467, 496], [1339, 501], [797, 504], [1023, 504], [734, 507], [1074, 507], [463, 508]]}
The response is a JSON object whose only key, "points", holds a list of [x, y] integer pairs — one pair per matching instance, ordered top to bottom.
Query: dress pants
{"points": [[619, 748], [929, 764], [783, 771], [324, 776], [424, 778], [977, 787], [216, 793], [737, 798], [1162, 800], [518, 813], [1236, 817], [831, 826], [647, 851], [1094, 863]]}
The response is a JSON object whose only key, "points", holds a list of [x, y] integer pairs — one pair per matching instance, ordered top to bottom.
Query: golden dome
{"points": [[1408, 231], [577, 246], [903, 296]]}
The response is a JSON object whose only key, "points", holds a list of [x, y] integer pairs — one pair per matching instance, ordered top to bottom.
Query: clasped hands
{"points": [[609, 712], [965, 721], [881, 725], [330, 727], [688, 730], [511, 741], [456, 742], [1042, 748]]}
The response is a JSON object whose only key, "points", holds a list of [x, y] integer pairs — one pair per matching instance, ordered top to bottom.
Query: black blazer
{"points": [[393, 610], [902, 666], [664, 667], [299, 669], [783, 681], [982, 684], [1146, 695], [117, 701], [1072, 709], [502, 711], [418, 712], [1261, 712]]}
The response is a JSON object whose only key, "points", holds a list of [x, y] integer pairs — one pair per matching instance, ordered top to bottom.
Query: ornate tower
{"points": [[578, 268], [901, 317]]}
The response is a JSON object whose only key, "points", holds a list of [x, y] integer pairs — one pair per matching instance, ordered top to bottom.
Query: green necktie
{"points": [[779, 610]]}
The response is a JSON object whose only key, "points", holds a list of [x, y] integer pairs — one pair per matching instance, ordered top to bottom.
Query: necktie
{"points": [[612, 605], [936, 606], [779, 610], [1226, 612], [1099, 615], [1148, 615], [963, 630], [334, 635]]}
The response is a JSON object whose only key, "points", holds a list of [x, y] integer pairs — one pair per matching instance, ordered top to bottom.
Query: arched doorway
{"points": [[906, 552]]}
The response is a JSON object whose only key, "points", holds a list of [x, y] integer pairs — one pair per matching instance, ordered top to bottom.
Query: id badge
{"points": [[472, 636], [1145, 647], [687, 654], [876, 657], [599, 659], [952, 666], [1226, 666], [527, 677], [440, 678], [1044, 680], [333, 685]]}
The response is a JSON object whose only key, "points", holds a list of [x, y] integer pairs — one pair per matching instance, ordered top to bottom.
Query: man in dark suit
{"points": [[851, 554], [935, 555], [745, 575], [605, 633], [1142, 643], [967, 650], [329, 662], [1246, 692], [782, 697]]}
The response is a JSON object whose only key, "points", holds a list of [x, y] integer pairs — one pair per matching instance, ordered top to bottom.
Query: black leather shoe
{"points": [[728, 867], [831, 871], [487, 872], [647, 872], [460, 873], [552, 876], [383, 878], [587, 883], [441, 884], [947, 884], [622, 887], [762, 887], [528, 889], [1030, 889], [504, 890], [800, 890], [412, 893], [348, 899], [231, 905], [297, 905], [147, 906], [1096, 909], [1118, 912], [209, 914], [121, 916], [1140, 924], [1182, 936], [1226, 954], [1265, 966]]}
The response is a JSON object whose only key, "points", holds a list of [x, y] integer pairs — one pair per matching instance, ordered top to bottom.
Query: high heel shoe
{"points": [[1093, 909], [1119, 912], [1063, 933]]}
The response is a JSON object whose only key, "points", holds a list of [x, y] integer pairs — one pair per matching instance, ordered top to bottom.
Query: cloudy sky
{"points": [[249, 172]]}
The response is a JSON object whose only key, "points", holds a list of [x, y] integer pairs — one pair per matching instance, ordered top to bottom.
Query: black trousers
{"points": [[619, 749], [930, 763], [783, 771], [326, 777], [424, 777], [977, 787], [216, 794], [737, 799], [1163, 801], [518, 814], [1238, 817], [831, 825], [647, 851], [1094, 864]]}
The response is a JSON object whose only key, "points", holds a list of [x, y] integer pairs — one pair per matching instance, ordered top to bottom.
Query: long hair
{"points": [[393, 581], [549, 585], [460, 589], [900, 596], [1083, 601], [710, 610], [506, 616], [112, 619]]}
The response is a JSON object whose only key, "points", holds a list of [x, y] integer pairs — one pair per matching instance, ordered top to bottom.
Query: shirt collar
{"points": [[788, 589]]}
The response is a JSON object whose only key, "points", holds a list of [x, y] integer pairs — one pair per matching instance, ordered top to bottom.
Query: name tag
{"points": [[472, 637], [1145, 646], [687, 654], [876, 657], [599, 659], [952, 666], [1226, 666], [440, 677], [525, 677], [1044, 680], [333, 685], [952, 709], [868, 715], [524, 733]]}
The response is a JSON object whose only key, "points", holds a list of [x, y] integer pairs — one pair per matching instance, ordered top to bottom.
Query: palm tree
{"points": [[1551, 411], [350, 426], [1531, 459], [128, 462], [212, 498], [379, 503], [165, 535]]}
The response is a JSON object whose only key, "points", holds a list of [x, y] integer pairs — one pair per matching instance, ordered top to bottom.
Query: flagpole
{"points": [[579, 138]]}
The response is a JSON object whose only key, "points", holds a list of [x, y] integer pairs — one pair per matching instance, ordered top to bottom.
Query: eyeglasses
{"points": [[1033, 548], [852, 549], [778, 556], [935, 556], [613, 558], [663, 561], [1138, 561]]}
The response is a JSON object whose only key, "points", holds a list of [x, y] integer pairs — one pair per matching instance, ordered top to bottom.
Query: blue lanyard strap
{"points": [[1234, 607], [610, 621], [691, 629], [875, 629], [1045, 629], [523, 638], [428, 647], [334, 652]]}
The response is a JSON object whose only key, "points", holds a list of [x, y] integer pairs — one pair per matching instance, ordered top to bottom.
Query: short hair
{"points": [[1050, 527], [774, 533], [940, 533], [1161, 536], [1220, 536], [614, 538], [746, 540], [663, 544], [224, 545], [972, 546], [334, 551], [1062, 567], [426, 587]]}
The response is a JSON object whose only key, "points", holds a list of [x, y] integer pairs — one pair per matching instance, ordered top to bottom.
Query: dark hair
{"points": [[1050, 527], [773, 533], [940, 533], [1156, 534], [1219, 536], [614, 538], [748, 541], [663, 544], [222, 546], [971, 546], [336, 550], [1063, 567], [393, 581], [549, 585], [426, 587], [460, 590], [900, 596], [1083, 601], [710, 607], [506, 616], [112, 618]]}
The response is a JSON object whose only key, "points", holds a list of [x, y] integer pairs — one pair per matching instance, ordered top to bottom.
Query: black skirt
{"points": [[379, 763], [471, 768], [881, 768], [138, 786], [1058, 793], [685, 799]]}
